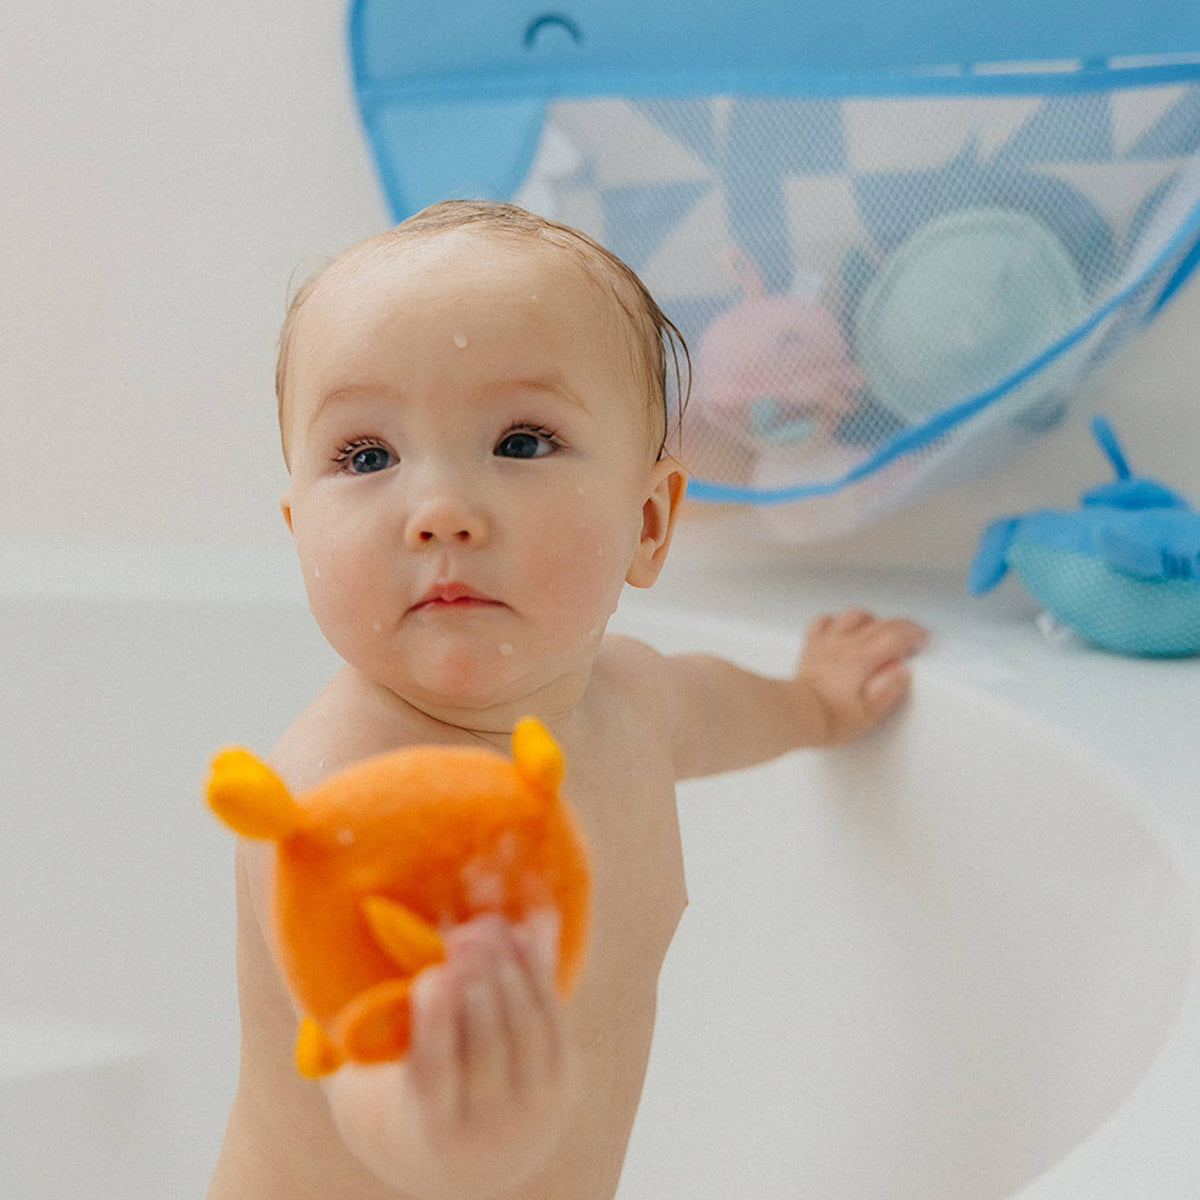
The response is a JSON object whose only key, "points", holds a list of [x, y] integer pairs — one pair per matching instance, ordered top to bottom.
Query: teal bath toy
{"points": [[963, 302], [1123, 571]]}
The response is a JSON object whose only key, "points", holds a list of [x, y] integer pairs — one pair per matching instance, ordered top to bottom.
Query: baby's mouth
{"points": [[447, 596], [465, 602]]}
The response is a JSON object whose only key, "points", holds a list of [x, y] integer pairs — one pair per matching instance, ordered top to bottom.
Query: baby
{"points": [[473, 410]]}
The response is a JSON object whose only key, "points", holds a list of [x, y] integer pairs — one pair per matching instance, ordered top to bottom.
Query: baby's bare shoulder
{"points": [[632, 663], [639, 676], [343, 724]]}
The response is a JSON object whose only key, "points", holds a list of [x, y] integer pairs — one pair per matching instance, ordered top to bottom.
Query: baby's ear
{"points": [[659, 513]]}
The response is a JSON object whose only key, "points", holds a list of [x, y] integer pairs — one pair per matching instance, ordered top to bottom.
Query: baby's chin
{"points": [[487, 696]]}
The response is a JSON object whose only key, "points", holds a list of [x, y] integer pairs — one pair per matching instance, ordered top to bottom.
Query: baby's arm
{"points": [[852, 671], [490, 1078]]}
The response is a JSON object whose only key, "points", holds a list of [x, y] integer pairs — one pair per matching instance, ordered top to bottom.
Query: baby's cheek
{"points": [[581, 569], [338, 585], [334, 609]]}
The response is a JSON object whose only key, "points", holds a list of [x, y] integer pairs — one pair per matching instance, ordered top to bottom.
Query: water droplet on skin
{"points": [[534, 296], [460, 340], [316, 572], [378, 626], [506, 648], [346, 836]]}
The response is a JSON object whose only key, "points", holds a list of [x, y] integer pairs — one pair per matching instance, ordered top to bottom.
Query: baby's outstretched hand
{"points": [[855, 666]]}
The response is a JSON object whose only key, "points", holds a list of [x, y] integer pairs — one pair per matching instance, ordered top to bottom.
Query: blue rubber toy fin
{"points": [[1106, 436], [1128, 491], [1133, 494], [1154, 554], [1131, 555], [990, 563]]}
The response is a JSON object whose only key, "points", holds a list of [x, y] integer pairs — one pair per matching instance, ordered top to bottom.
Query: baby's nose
{"points": [[446, 518]]}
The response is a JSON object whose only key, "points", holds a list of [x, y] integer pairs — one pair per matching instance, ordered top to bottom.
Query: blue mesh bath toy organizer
{"points": [[893, 277]]}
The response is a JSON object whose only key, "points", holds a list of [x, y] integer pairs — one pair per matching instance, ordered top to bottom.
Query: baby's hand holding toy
{"points": [[855, 667], [380, 864], [493, 1068]]}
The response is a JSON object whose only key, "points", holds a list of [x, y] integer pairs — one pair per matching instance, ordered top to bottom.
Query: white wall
{"points": [[166, 168]]}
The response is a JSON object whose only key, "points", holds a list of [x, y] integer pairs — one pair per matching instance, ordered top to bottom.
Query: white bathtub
{"points": [[955, 960], [926, 967]]}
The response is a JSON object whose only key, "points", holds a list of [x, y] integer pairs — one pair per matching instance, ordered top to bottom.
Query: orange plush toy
{"points": [[375, 859]]}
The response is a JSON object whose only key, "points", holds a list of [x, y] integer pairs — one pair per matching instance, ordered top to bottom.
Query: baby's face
{"points": [[471, 465]]}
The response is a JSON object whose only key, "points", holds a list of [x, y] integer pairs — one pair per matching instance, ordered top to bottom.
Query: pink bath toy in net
{"points": [[774, 370]]}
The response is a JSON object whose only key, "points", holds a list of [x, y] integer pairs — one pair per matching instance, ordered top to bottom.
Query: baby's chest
{"points": [[638, 894]]}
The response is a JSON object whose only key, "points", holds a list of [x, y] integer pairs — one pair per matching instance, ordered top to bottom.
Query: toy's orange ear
{"points": [[536, 756], [250, 798], [411, 943], [316, 1055]]}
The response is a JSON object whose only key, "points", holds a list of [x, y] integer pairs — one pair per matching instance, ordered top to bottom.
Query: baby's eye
{"points": [[527, 442], [364, 457]]}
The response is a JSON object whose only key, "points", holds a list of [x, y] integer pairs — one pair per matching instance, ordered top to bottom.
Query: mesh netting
{"points": [[882, 296], [1108, 608]]}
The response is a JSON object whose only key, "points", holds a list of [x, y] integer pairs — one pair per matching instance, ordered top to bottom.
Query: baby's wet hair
{"points": [[649, 331]]}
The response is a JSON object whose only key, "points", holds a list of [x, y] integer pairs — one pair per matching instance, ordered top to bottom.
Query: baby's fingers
{"points": [[841, 624], [897, 637], [891, 643], [887, 687], [531, 1008], [509, 1021], [433, 1058], [486, 1070]]}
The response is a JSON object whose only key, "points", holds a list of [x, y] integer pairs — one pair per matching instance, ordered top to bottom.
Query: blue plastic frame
{"points": [[487, 39]]}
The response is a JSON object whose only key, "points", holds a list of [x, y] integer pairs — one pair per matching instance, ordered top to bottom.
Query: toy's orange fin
{"points": [[536, 756], [250, 798], [408, 940], [376, 1025], [316, 1055]]}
